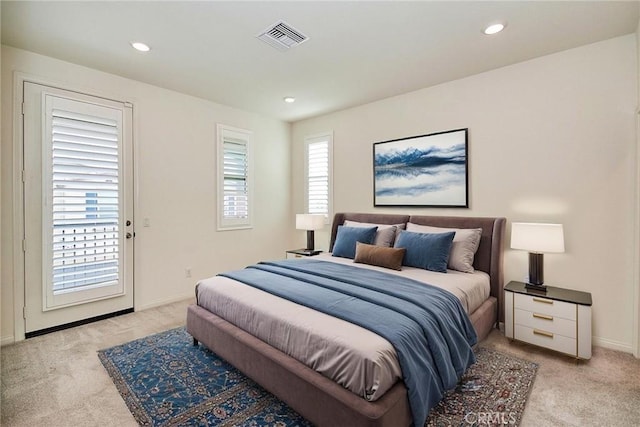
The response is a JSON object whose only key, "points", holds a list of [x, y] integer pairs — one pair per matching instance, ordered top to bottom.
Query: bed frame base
{"points": [[312, 395]]}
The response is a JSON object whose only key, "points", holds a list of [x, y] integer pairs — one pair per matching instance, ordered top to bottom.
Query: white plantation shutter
{"points": [[318, 174], [234, 188], [236, 193], [83, 200]]}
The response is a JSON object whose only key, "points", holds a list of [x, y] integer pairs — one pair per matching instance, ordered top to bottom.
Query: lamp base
{"points": [[310, 241], [536, 272], [537, 288]]}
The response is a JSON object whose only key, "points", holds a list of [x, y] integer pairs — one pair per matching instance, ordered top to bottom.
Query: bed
{"points": [[314, 395]]}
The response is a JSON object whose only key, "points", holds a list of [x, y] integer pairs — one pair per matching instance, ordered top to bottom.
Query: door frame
{"points": [[19, 78], [635, 346]]}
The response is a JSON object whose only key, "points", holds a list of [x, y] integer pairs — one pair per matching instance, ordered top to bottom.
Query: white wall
{"points": [[551, 139], [176, 182]]}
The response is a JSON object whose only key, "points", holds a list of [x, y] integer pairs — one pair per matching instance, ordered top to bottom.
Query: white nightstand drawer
{"points": [[544, 305], [546, 322], [546, 339]]}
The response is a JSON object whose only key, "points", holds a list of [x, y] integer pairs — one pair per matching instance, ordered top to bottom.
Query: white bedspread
{"points": [[354, 357]]}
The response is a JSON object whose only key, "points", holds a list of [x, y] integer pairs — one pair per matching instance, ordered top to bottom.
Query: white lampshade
{"points": [[309, 221], [537, 238]]}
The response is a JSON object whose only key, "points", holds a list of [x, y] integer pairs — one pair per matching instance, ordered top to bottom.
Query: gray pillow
{"points": [[386, 234], [464, 247]]}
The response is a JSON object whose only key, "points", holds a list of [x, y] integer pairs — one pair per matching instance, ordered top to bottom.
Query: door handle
{"points": [[128, 235]]}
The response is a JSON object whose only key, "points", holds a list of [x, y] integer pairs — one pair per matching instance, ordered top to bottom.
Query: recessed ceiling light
{"points": [[494, 28], [140, 46], [289, 99]]}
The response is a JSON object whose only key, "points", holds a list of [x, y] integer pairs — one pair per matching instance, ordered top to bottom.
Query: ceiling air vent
{"points": [[282, 36]]}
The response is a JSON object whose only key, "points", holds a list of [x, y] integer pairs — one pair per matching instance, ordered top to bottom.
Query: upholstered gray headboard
{"points": [[489, 257]]}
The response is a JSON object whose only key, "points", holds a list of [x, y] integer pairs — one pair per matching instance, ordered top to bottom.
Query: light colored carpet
{"points": [[57, 379], [603, 391]]}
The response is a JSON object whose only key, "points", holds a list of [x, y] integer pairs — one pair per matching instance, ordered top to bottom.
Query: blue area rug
{"points": [[167, 381]]}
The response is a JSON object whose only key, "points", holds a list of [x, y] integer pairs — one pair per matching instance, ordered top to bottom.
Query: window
{"points": [[234, 178], [318, 189]]}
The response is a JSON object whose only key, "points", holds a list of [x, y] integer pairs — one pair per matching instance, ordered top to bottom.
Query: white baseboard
{"points": [[158, 303], [7, 340], [612, 344]]}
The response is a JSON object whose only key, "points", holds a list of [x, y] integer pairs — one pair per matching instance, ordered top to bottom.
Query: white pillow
{"points": [[386, 234], [464, 247]]}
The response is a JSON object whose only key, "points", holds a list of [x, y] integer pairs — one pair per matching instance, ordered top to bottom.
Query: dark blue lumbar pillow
{"points": [[346, 238], [426, 250]]}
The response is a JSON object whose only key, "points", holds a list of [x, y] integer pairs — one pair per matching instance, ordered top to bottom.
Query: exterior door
{"points": [[78, 197]]}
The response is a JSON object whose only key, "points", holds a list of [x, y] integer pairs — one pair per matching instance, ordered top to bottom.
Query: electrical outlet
{"points": [[187, 272]]}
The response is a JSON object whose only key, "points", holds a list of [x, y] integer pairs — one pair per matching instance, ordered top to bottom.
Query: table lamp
{"points": [[309, 222], [538, 239]]}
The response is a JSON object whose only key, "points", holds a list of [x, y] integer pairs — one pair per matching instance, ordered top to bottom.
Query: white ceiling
{"points": [[357, 52]]}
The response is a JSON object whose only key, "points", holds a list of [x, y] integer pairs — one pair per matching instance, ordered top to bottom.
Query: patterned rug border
{"points": [[167, 381], [123, 388], [525, 396], [505, 408], [496, 412]]}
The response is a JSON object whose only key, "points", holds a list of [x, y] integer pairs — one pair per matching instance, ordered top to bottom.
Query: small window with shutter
{"points": [[234, 178], [318, 188]]}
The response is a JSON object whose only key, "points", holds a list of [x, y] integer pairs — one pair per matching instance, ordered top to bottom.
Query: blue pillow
{"points": [[346, 238], [426, 250]]}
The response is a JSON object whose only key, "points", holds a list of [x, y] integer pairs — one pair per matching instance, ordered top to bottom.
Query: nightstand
{"points": [[299, 253], [559, 319]]}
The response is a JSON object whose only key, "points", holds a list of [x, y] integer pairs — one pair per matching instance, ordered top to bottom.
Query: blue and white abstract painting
{"points": [[427, 170]]}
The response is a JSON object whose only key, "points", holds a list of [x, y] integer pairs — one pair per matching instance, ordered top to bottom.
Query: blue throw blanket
{"points": [[426, 325]]}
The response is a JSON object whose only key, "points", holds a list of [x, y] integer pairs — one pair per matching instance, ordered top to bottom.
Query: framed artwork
{"points": [[425, 171]]}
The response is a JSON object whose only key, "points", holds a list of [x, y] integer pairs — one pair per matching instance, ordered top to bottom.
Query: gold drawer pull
{"points": [[546, 301], [542, 316], [543, 333]]}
